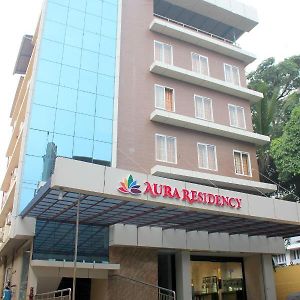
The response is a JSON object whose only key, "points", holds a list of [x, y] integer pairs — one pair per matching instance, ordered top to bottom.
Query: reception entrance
{"points": [[217, 278]]}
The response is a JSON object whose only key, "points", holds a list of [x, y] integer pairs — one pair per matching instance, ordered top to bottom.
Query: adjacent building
{"points": [[138, 112]]}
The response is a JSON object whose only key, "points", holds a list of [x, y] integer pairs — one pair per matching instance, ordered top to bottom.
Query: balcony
{"points": [[200, 38], [218, 85], [170, 118], [13, 163], [213, 180], [8, 200]]}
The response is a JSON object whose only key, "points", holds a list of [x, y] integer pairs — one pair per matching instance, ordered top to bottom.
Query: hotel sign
{"points": [[130, 186]]}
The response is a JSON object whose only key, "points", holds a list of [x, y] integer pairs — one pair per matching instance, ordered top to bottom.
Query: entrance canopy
{"points": [[110, 196]]}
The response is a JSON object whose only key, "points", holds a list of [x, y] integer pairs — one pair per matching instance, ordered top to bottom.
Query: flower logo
{"points": [[129, 186]]}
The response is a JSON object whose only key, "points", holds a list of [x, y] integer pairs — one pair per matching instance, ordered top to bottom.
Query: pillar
{"points": [[183, 275], [268, 275]]}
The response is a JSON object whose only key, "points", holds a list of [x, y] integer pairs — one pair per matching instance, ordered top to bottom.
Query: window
{"points": [[163, 53], [200, 64], [232, 74], [164, 98], [203, 108], [237, 116], [166, 148], [207, 157], [242, 163], [295, 254], [280, 259]]}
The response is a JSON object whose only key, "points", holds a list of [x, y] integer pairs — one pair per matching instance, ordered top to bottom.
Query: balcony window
{"points": [[163, 53], [200, 64], [232, 74], [164, 98], [203, 108], [237, 116], [166, 148], [207, 157], [242, 163], [295, 254], [280, 259]]}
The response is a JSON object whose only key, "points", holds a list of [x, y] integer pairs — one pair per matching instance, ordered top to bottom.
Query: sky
{"points": [[276, 35]]}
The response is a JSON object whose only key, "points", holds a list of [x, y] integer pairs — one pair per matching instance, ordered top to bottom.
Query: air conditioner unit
{"points": [[8, 219]]}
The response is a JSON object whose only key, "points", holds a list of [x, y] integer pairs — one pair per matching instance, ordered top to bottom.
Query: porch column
{"points": [[183, 275], [268, 275]]}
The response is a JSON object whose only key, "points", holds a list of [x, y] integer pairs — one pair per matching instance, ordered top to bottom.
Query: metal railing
{"points": [[197, 29], [162, 293], [56, 295]]}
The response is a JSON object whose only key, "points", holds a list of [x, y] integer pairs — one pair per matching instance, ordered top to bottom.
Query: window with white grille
{"points": [[163, 52], [200, 64], [232, 74], [164, 98], [203, 108], [237, 116], [166, 148], [207, 157], [242, 163]]}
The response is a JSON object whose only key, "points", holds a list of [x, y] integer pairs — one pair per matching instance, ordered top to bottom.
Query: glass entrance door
{"points": [[217, 279]]}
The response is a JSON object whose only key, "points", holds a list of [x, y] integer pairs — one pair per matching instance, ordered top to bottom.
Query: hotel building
{"points": [[137, 112]]}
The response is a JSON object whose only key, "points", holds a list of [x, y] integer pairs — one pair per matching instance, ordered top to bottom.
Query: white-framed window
{"points": [[163, 52], [200, 64], [232, 74], [164, 97], [203, 108], [237, 116], [166, 148], [207, 156], [242, 164], [295, 254]]}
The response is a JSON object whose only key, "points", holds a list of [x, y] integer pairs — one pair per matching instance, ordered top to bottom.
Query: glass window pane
{"points": [[61, 2], [78, 4], [94, 7], [110, 11], [57, 13], [76, 18], [92, 24], [109, 28], [54, 31], [74, 37], [91, 41], [108, 46], [51, 51], [158, 51], [168, 54], [71, 56], [89, 60], [195, 63], [106, 65], [204, 65], [227, 70], [48, 71], [235, 76], [69, 77], [88, 81], [106, 86], [45, 94], [159, 97], [67, 99], [169, 99], [86, 103], [104, 107], [199, 107], [208, 109], [232, 115], [241, 117], [42, 118], [64, 122], [84, 126], [103, 130], [37, 142], [64, 145], [83, 148], [161, 148], [171, 149], [102, 151], [211, 151], [202, 156], [238, 163], [246, 166], [33, 169]]}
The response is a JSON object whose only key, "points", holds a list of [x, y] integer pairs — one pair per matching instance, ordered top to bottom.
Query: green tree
{"points": [[279, 84], [286, 152]]}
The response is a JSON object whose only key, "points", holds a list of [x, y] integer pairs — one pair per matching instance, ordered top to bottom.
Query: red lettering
{"points": [[149, 189], [155, 189], [167, 192], [176, 194], [186, 195], [194, 196], [200, 197], [204, 199], [211, 199], [218, 201], [225, 201], [230, 202], [239, 203]]}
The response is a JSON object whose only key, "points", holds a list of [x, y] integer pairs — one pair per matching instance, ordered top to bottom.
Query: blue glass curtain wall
{"points": [[73, 98]]}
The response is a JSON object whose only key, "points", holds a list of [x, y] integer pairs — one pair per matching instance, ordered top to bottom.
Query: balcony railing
{"points": [[197, 29]]}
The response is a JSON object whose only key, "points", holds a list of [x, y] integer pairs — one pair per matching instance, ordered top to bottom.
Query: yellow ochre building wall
{"points": [[287, 281]]}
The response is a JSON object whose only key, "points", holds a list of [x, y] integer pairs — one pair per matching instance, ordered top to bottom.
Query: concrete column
{"points": [[183, 275], [268, 275]]}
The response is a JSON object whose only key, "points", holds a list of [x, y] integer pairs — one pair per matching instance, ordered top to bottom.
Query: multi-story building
{"points": [[132, 124]]}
